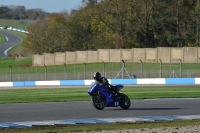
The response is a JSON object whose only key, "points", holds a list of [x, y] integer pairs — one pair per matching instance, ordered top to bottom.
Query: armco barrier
{"points": [[153, 81]]}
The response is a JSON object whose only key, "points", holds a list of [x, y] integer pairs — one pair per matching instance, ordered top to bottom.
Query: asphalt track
{"points": [[12, 40], [22, 112]]}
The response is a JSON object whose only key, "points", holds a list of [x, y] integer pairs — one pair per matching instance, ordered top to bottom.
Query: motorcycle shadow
{"points": [[149, 109]]}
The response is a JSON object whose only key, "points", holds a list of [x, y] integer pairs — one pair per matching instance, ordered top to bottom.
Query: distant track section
{"points": [[12, 40]]}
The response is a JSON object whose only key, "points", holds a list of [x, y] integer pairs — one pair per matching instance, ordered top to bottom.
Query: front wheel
{"points": [[98, 101], [124, 101]]}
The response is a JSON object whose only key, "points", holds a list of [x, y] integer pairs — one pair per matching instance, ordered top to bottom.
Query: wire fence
{"points": [[109, 70]]}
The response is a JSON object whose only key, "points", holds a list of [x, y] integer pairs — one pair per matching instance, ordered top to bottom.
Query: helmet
{"points": [[97, 76]]}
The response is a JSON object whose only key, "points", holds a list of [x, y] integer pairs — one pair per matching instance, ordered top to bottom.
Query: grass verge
{"points": [[14, 23], [2, 39], [5, 62], [80, 94], [100, 127]]}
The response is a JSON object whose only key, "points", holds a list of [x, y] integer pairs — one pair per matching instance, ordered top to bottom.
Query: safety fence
{"points": [[109, 70]]}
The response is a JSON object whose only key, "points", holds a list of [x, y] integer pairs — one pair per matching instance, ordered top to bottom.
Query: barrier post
{"points": [[123, 66], [103, 68], [141, 68], [160, 68], [180, 68], [84, 70], [64, 71], [10, 72], [28, 72], [45, 72]]}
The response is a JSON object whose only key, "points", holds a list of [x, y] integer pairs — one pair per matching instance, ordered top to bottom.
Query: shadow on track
{"points": [[150, 109]]}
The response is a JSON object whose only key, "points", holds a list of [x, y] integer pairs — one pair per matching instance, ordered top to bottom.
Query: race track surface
{"points": [[12, 40], [22, 112]]}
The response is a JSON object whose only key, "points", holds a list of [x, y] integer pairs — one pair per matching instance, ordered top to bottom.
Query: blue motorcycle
{"points": [[102, 97]]}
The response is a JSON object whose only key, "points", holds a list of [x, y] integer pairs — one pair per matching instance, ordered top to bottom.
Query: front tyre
{"points": [[124, 101], [98, 102]]}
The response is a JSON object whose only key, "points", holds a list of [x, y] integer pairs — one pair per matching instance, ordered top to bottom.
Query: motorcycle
{"points": [[102, 97]]}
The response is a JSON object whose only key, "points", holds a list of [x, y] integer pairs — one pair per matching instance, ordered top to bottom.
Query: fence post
{"points": [[123, 67], [103, 68], [141, 68], [160, 68], [180, 68], [84, 70], [64, 71], [10, 72], [28, 72], [45, 72], [18, 75]]}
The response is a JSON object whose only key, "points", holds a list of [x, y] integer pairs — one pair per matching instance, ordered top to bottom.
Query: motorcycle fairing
{"points": [[110, 102]]}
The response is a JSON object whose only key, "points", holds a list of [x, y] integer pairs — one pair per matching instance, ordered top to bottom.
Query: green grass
{"points": [[14, 23], [2, 39], [5, 62], [80, 94], [100, 127]]}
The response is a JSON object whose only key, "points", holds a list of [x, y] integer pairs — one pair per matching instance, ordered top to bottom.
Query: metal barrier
{"points": [[109, 70]]}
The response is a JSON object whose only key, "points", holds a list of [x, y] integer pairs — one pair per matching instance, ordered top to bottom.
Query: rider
{"points": [[102, 81]]}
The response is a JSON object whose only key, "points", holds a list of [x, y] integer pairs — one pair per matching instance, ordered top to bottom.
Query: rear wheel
{"points": [[98, 101], [124, 101]]}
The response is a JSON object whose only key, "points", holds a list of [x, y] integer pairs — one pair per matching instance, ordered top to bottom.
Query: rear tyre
{"points": [[98, 101], [124, 101]]}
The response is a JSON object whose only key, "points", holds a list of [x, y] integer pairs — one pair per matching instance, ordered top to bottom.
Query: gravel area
{"points": [[185, 129]]}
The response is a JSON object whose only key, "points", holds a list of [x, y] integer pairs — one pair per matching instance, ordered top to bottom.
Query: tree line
{"points": [[20, 12], [115, 24]]}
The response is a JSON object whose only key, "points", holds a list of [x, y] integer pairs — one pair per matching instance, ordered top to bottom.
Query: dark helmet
{"points": [[97, 76]]}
